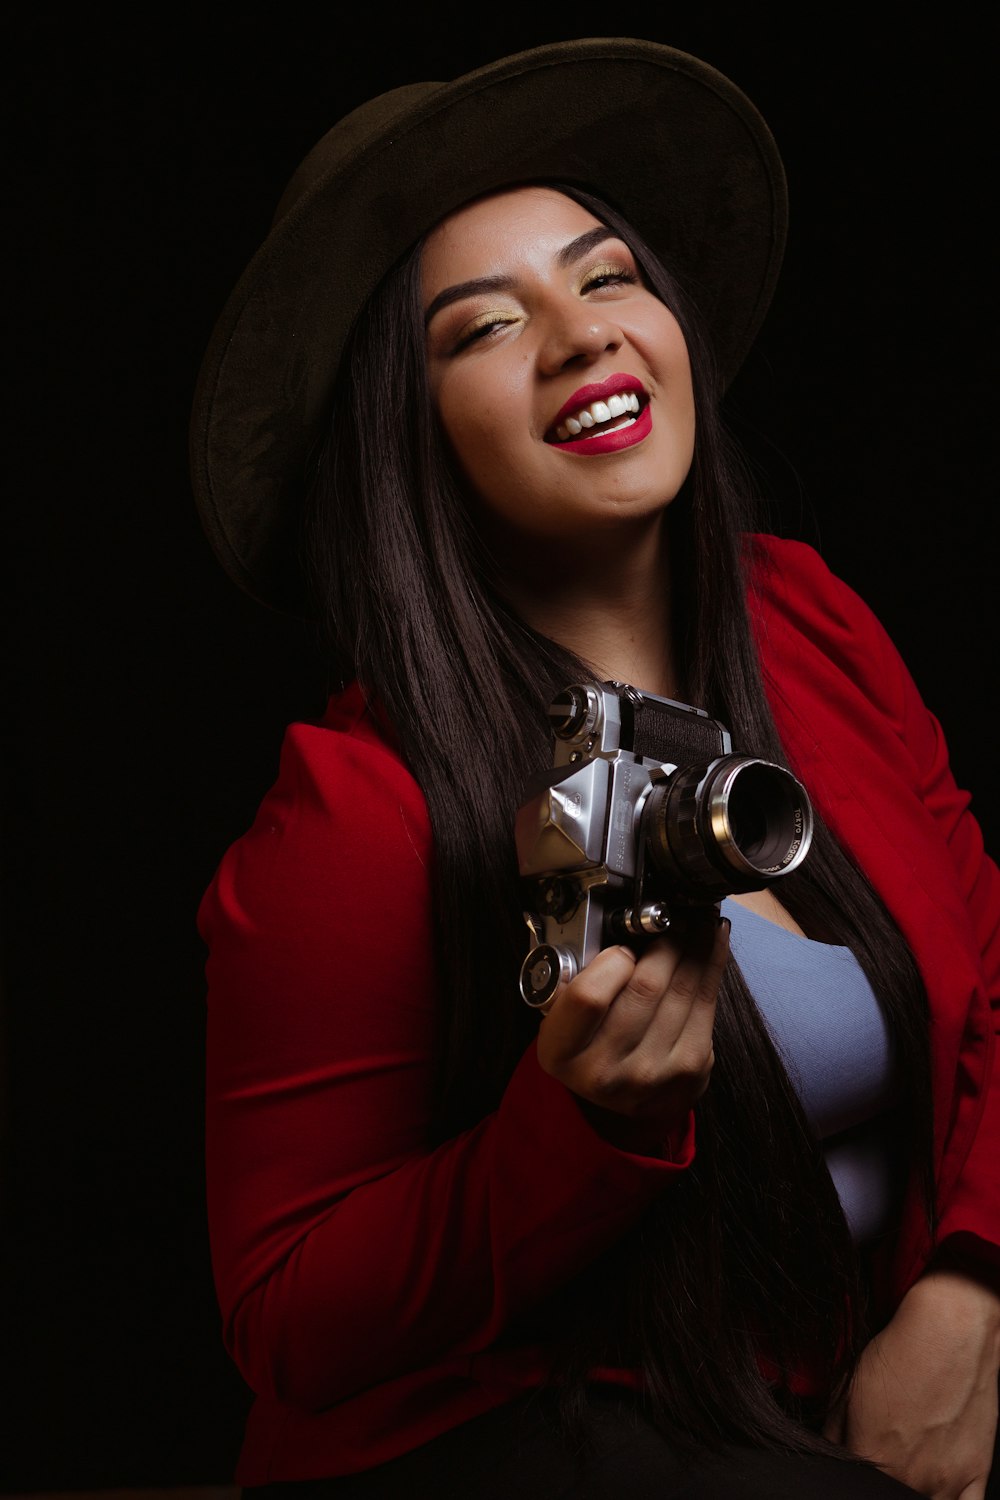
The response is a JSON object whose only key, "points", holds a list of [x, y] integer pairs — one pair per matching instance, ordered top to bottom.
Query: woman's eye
{"points": [[603, 276], [481, 330]]}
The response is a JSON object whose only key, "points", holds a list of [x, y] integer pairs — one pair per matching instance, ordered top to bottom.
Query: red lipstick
{"points": [[598, 392], [610, 442]]}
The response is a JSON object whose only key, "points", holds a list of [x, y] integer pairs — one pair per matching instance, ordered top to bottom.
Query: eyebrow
{"points": [[574, 251]]}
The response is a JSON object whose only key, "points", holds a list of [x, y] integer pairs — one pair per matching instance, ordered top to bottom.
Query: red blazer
{"points": [[363, 1278]]}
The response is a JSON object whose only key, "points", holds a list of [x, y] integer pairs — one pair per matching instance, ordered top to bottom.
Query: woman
{"points": [[687, 1234]]}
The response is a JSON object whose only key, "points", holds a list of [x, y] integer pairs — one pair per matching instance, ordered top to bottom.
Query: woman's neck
{"points": [[607, 601]]}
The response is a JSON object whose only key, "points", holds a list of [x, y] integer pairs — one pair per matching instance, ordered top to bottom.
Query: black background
{"points": [[147, 696]]}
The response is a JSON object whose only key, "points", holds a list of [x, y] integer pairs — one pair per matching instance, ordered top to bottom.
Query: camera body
{"points": [[644, 815]]}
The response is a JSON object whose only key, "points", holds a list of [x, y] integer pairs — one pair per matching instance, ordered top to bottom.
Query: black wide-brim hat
{"points": [[663, 137]]}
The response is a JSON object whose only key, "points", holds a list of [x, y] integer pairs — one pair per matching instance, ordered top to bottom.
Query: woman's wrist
{"points": [[972, 1258], [957, 1299]]}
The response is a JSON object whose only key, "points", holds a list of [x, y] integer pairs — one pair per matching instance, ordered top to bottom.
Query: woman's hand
{"points": [[634, 1036], [923, 1402]]}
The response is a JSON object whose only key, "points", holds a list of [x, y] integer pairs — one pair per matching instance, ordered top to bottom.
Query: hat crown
{"points": [[370, 121]]}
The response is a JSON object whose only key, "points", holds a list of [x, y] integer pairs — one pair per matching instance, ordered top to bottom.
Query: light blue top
{"points": [[831, 1034]]}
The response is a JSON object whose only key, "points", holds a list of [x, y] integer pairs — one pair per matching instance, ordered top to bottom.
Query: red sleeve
{"points": [[900, 728], [971, 1216], [345, 1250]]}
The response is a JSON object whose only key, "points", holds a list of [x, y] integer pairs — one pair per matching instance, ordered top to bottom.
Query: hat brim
{"points": [[675, 145]]}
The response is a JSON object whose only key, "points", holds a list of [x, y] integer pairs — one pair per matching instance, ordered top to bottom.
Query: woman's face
{"points": [[536, 315]]}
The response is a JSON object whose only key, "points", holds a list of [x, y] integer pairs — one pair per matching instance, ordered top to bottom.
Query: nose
{"points": [[577, 334]]}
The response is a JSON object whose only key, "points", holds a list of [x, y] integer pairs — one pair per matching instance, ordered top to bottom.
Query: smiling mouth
{"points": [[598, 418]]}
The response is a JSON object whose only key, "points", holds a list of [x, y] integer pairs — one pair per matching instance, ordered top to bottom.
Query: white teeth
{"points": [[598, 411]]}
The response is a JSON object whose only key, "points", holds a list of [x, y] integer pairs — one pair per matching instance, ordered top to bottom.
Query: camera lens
{"points": [[764, 813], [735, 824], [748, 825]]}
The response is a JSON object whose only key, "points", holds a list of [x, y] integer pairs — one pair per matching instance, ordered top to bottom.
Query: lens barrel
{"points": [[735, 824]]}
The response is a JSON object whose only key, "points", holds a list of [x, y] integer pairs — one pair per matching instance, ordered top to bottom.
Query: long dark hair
{"points": [[750, 1245]]}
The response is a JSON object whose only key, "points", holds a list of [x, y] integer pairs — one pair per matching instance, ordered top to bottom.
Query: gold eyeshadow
{"points": [[614, 270]]}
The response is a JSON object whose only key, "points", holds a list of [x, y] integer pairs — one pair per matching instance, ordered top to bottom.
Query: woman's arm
{"points": [[851, 715], [970, 1217], [345, 1249], [923, 1402]]}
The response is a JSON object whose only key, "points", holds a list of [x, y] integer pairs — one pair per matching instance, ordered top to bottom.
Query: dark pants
{"points": [[517, 1453]]}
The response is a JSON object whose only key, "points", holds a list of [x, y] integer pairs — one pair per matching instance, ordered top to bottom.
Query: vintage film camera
{"points": [[644, 814]]}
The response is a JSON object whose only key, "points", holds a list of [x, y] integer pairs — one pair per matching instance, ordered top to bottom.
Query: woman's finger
{"points": [[641, 998], [579, 1008], [656, 1008], [686, 1018]]}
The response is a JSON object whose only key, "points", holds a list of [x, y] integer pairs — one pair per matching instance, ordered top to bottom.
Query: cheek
{"points": [[672, 342], [676, 371], [476, 417]]}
